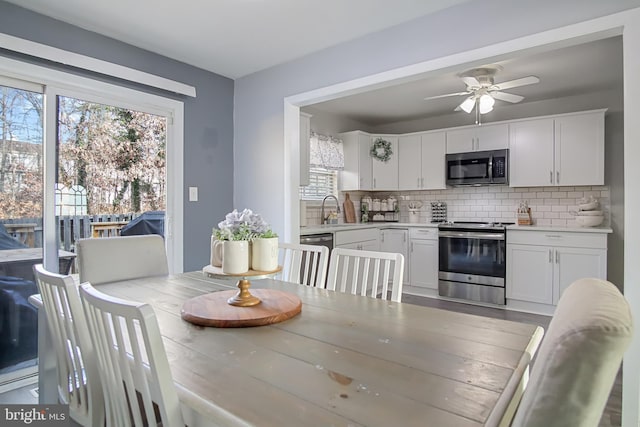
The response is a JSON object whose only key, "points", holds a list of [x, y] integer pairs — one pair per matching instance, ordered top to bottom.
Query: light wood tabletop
{"points": [[345, 360]]}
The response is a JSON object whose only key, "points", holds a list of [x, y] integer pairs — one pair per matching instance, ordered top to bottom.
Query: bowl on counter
{"points": [[588, 206], [589, 213], [589, 220]]}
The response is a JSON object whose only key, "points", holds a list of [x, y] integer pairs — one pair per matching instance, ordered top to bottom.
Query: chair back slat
{"points": [[304, 264], [366, 273], [134, 369], [78, 378]]}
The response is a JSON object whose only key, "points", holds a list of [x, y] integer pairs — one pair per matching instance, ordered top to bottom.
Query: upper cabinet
{"points": [[305, 133], [478, 138], [559, 150], [562, 150], [421, 157], [357, 174], [385, 174]]}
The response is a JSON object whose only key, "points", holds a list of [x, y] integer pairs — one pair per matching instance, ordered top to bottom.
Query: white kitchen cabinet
{"points": [[305, 133], [478, 138], [579, 149], [561, 150], [410, 157], [422, 161], [357, 173], [385, 174], [365, 239], [396, 240], [423, 258], [575, 263], [542, 264], [530, 273]]}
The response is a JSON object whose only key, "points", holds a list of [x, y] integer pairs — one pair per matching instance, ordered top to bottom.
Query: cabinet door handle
{"points": [[550, 177], [557, 177], [418, 182], [422, 182], [374, 183], [383, 237], [404, 237], [411, 246], [550, 256], [557, 257]]}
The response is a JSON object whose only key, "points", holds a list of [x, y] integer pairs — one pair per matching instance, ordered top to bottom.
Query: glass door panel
{"points": [[111, 170], [21, 190]]}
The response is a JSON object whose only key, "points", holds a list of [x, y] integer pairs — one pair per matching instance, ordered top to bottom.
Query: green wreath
{"points": [[381, 150]]}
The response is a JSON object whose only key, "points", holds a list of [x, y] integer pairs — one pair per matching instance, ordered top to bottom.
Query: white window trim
{"points": [[92, 64], [60, 83]]}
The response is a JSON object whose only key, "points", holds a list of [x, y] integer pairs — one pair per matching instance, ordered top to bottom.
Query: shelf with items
{"points": [[383, 216]]}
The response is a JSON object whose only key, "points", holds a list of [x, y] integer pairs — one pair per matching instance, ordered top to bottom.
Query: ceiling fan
{"points": [[482, 91]]}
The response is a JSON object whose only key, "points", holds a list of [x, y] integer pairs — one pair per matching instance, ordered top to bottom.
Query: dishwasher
{"points": [[324, 239]]}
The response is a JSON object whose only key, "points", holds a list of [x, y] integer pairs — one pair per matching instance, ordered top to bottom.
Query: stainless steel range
{"points": [[472, 263]]}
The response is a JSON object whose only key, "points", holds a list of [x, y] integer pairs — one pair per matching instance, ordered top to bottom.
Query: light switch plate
{"points": [[193, 194]]}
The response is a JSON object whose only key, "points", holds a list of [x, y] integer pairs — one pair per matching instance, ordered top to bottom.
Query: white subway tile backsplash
{"points": [[549, 205]]}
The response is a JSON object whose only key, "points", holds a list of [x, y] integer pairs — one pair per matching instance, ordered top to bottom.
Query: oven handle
{"points": [[472, 235]]}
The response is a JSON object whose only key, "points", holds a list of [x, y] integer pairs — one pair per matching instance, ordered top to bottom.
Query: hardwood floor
{"points": [[612, 416]]}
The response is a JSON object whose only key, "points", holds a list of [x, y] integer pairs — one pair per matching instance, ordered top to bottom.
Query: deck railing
{"points": [[70, 228]]}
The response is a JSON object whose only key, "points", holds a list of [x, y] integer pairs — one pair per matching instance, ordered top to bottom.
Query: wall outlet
{"points": [[193, 194]]}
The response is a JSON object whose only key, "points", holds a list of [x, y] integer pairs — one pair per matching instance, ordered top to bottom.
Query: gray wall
{"points": [[259, 97], [208, 130]]}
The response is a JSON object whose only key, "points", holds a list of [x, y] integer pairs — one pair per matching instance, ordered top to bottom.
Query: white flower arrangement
{"points": [[244, 225]]}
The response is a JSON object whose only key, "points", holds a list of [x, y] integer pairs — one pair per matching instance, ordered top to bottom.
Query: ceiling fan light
{"points": [[486, 103], [468, 104]]}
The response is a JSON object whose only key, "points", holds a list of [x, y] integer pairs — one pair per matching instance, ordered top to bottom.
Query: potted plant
{"points": [[236, 232]]}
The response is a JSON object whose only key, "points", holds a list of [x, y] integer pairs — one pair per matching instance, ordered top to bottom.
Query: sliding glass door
{"points": [[76, 162]]}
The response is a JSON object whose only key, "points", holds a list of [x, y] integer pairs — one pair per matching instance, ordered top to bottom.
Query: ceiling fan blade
{"points": [[529, 80], [471, 81], [446, 95], [509, 97]]}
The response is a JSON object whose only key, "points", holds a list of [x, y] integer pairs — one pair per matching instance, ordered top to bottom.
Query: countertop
{"points": [[332, 228]]}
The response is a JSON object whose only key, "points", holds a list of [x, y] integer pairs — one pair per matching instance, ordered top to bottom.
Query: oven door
{"points": [[472, 257]]}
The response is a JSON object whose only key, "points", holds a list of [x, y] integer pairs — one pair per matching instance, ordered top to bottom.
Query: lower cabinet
{"points": [[365, 239], [396, 240], [423, 258], [541, 265]]}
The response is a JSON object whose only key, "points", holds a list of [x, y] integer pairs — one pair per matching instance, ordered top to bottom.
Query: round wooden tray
{"points": [[213, 309]]}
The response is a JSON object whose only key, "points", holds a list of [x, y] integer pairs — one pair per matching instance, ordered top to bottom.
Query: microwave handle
{"points": [[491, 168]]}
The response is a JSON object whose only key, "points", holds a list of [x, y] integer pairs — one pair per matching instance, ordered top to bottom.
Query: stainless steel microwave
{"points": [[478, 168]]}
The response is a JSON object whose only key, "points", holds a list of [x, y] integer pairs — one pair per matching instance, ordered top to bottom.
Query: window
{"points": [[321, 182]]}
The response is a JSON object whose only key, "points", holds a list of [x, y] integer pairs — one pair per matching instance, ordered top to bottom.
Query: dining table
{"points": [[344, 360]]}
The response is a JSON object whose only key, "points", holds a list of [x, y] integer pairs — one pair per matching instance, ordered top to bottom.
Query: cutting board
{"points": [[349, 210]]}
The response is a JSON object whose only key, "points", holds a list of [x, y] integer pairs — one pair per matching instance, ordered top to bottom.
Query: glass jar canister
{"points": [[375, 205]]}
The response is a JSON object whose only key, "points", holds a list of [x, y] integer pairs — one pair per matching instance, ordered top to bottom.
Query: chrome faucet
{"points": [[325, 219]]}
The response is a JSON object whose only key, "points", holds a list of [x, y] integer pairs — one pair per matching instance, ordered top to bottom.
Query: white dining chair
{"points": [[113, 259], [304, 264], [366, 273], [578, 359], [134, 369], [78, 378]]}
